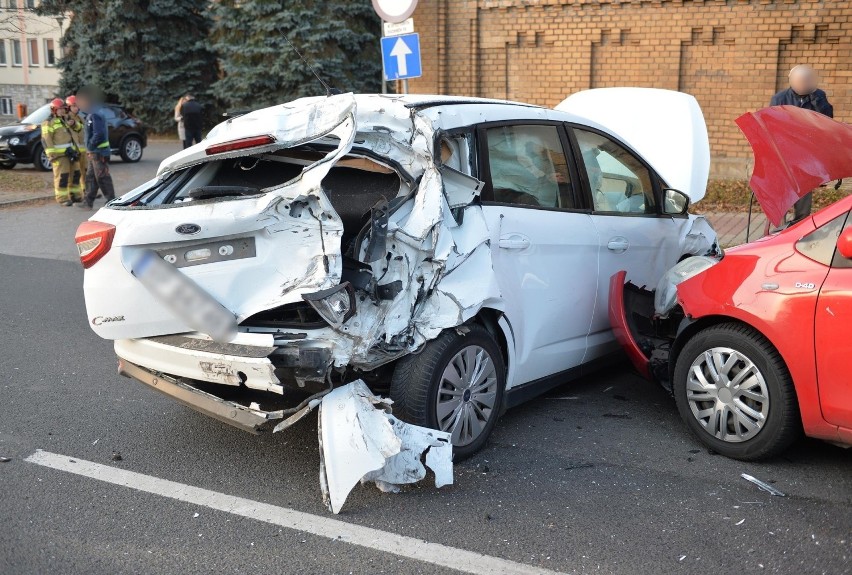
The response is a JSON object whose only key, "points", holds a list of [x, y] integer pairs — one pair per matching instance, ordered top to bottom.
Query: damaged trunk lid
{"points": [[238, 243]]}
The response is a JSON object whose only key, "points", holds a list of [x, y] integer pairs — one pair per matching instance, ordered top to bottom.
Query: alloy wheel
{"points": [[133, 149], [45, 162], [467, 394]]}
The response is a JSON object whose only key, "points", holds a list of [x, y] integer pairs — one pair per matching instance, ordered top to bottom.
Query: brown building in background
{"points": [[732, 55]]}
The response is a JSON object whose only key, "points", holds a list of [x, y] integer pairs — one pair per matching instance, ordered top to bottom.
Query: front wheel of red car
{"points": [[735, 393]]}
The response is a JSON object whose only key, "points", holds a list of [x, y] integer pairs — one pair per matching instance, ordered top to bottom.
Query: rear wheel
{"points": [[131, 149], [40, 159], [454, 384], [735, 393]]}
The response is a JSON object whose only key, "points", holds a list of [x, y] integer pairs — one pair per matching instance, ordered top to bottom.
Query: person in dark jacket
{"points": [[803, 92], [193, 124], [97, 149]]}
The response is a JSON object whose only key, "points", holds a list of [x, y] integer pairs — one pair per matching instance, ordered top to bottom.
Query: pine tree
{"points": [[340, 39], [144, 54]]}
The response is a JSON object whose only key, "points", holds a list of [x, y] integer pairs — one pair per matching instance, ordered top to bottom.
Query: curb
{"points": [[25, 202]]}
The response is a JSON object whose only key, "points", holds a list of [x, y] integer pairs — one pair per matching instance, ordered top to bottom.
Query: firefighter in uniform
{"points": [[74, 112], [61, 137]]}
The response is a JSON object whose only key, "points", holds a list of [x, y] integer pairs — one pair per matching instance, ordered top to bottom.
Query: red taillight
{"points": [[241, 144], [93, 239]]}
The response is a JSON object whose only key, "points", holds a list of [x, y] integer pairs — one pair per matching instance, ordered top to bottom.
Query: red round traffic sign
{"points": [[394, 10]]}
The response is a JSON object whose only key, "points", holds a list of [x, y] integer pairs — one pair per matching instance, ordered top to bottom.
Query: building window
{"points": [[13, 4], [30, 4], [32, 51], [49, 52], [17, 58], [3, 61], [6, 106]]}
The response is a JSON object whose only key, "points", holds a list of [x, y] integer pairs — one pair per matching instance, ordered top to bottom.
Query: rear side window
{"points": [[528, 167], [819, 245]]}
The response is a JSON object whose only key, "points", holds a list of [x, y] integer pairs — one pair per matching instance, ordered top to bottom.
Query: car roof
{"points": [[449, 112]]}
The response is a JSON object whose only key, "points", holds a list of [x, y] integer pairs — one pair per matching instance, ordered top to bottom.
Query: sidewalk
{"points": [[731, 226]]}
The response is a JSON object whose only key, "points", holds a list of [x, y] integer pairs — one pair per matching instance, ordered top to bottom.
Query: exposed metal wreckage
{"points": [[429, 263]]}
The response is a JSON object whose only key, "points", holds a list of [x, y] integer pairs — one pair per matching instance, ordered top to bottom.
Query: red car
{"points": [[755, 346]]}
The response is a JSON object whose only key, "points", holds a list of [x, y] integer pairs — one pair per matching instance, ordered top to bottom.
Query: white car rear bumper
{"points": [[185, 356]]}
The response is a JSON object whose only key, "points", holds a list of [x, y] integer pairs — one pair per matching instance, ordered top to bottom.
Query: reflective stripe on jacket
{"points": [[57, 136]]}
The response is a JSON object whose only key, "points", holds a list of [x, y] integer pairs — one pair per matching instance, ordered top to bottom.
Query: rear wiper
{"points": [[207, 192]]}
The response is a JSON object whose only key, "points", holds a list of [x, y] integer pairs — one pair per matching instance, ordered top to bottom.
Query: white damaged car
{"points": [[453, 253]]}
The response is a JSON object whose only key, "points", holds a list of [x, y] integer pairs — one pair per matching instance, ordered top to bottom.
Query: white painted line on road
{"points": [[334, 529]]}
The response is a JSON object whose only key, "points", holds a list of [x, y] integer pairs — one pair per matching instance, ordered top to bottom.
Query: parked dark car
{"points": [[21, 143]]}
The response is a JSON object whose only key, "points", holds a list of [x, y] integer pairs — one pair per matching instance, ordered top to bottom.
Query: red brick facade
{"points": [[732, 55]]}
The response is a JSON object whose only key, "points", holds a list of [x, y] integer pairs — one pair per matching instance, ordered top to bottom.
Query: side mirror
{"points": [[675, 202], [844, 243]]}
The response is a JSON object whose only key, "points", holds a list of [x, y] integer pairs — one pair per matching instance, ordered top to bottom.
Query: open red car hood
{"points": [[795, 150]]}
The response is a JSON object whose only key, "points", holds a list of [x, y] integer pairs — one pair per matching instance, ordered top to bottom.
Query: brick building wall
{"points": [[732, 55]]}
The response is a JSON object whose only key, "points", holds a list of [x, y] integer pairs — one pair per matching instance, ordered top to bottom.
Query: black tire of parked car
{"points": [[127, 149], [40, 159], [8, 165], [417, 377], [783, 424]]}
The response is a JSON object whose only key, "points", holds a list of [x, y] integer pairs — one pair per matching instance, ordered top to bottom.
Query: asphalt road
{"points": [[599, 476]]}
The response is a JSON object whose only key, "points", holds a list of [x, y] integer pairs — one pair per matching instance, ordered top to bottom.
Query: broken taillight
{"points": [[241, 144], [93, 239]]}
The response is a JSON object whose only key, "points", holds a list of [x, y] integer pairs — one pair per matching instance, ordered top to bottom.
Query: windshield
{"points": [[38, 116]]}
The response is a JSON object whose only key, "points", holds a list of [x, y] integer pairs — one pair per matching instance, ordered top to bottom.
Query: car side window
{"points": [[108, 113], [528, 166], [619, 182], [819, 245]]}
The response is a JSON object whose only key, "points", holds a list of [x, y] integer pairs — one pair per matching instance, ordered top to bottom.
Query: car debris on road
{"points": [[360, 440], [762, 485]]}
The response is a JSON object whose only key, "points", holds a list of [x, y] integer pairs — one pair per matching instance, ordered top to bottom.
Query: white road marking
{"points": [[334, 529]]}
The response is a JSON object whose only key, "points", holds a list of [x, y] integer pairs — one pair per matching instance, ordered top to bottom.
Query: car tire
{"points": [[131, 149], [40, 159], [8, 165], [423, 391], [748, 410]]}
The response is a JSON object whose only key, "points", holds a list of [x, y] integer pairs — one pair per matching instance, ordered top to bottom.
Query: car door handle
{"points": [[514, 242], [618, 244]]}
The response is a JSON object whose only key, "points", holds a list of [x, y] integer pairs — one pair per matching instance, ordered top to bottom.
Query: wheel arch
{"points": [[497, 325], [691, 327]]}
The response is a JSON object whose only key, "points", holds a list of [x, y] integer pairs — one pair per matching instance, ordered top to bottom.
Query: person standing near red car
{"points": [[803, 93], [97, 149]]}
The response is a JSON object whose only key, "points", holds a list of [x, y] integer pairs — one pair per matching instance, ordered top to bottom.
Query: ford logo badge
{"points": [[188, 229]]}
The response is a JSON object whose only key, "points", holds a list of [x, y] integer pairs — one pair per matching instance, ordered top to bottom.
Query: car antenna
{"points": [[329, 91]]}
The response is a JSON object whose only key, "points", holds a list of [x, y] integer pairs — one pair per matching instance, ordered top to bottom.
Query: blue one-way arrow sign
{"points": [[401, 57]]}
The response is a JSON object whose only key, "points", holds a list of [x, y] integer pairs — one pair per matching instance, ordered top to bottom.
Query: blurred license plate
{"points": [[185, 298]]}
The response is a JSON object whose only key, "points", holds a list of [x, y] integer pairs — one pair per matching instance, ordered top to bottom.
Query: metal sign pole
{"points": [[384, 83], [405, 86]]}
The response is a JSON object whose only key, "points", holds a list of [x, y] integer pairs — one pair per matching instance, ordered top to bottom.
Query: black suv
{"points": [[21, 143]]}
